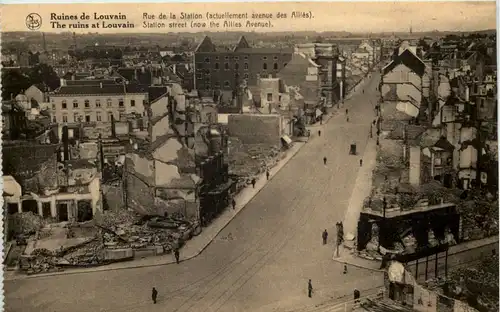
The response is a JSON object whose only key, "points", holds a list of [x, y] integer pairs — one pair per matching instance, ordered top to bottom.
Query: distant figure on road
{"points": [[363, 91], [346, 111], [347, 118], [319, 133], [324, 160], [361, 162], [267, 174], [253, 182], [233, 202], [341, 231], [324, 236], [176, 255], [345, 268], [309, 289], [154, 294], [357, 294]]}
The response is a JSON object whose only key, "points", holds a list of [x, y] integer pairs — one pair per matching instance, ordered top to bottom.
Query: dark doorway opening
{"points": [[448, 180], [30, 205], [12, 208], [46, 210], [84, 211], [62, 212]]}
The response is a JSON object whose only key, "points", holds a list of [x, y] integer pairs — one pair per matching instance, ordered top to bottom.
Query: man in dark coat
{"points": [[319, 133], [324, 160], [361, 162], [267, 174], [253, 182], [233, 202], [325, 237], [176, 255], [309, 289], [154, 294], [357, 295]]}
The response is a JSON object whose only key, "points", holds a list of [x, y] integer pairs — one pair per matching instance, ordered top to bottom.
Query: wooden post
{"points": [[446, 263], [436, 265], [426, 266], [416, 269]]}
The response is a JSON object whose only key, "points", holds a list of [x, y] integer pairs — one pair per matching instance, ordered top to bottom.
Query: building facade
{"points": [[227, 69], [73, 104]]}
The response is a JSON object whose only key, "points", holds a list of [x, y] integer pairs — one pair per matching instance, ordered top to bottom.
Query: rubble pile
{"points": [[248, 161], [167, 232], [90, 254], [40, 261]]}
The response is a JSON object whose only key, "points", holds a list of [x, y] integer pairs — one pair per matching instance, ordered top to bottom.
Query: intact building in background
{"points": [[225, 68]]}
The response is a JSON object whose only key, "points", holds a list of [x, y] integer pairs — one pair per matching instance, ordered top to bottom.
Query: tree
{"points": [[43, 73], [13, 83]]}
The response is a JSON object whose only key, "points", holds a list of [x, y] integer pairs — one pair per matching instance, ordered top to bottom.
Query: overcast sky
{"points": [[332, 16]]}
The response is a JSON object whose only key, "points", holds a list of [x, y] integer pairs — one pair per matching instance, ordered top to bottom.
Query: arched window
{"points": [[216, 65], [264, 66], [275, 66]]}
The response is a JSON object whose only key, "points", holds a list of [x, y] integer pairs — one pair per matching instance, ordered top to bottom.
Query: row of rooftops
{"points": [[207, 46]]}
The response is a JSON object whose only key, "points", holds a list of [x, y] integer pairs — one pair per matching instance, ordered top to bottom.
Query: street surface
{"points": [[261, 261]]}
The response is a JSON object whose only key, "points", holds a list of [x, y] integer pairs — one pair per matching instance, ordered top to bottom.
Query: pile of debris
{"points": [[248, 161], [168, 232], [40, 261]]}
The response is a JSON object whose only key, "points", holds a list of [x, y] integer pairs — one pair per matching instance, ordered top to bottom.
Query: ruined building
{"points": [[176, 162]]}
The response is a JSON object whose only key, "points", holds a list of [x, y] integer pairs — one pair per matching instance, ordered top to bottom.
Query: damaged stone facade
{"points": [[162, 176], [52, 188]]}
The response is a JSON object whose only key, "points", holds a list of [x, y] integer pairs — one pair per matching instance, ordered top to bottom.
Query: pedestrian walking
{"points": [[346, 111], [347, 118], [319, 133], [324, 160], [361, 162], [267, 174], [253, 182], [233, 202], [341, 231], [324, 236], [176, 255], [345, 268], [309, 289], [154, 295], [357, 295]]}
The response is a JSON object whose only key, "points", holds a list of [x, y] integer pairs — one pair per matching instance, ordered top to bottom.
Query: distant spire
{"points": [[411, 27]]}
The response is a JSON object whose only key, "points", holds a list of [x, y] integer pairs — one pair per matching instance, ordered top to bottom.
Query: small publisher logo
{"points": [[33, 21]]}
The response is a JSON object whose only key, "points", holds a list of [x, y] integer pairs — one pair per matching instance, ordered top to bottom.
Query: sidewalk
{"points": [[362, 189], [194, 246], [349, 257]]}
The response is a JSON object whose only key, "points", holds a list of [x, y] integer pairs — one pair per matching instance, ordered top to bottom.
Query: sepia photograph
{"points": [[251, 156]]}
